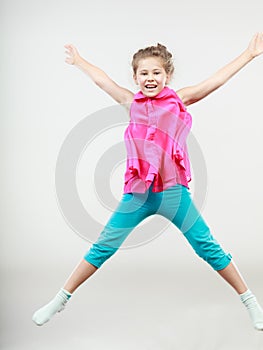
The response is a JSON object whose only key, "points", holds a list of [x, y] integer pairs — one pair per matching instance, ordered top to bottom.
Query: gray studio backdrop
{"points": [[43, 99]]}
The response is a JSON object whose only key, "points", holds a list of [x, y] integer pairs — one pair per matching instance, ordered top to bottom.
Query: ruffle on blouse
{"points": [[180, 149], [181, 159], [136, 169], [135, 179]]}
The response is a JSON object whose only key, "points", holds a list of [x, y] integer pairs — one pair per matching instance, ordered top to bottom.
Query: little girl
{"points": [[158, 168]]}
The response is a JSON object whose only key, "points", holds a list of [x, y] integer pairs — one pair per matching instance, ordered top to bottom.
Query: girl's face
{"points": [[151, 76]]}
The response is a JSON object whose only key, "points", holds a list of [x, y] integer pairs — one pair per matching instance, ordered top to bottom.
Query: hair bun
{"points": [[154, 51]]}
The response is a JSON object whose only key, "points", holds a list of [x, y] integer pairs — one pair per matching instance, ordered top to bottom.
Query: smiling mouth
{"points": [[150, 86]]}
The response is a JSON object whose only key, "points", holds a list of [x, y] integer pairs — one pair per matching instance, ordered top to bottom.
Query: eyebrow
{"points": [[145, 70]]}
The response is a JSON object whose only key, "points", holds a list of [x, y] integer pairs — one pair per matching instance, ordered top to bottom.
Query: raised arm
{"points": [[98, 76], [192, 94]]}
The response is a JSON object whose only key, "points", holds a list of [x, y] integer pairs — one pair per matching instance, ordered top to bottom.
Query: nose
{"points": [[150, 78]]}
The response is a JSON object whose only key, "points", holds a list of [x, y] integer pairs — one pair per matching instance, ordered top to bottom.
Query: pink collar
{"points": [[166, 92]]}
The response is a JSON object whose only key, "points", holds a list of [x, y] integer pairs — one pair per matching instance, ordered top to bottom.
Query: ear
{"points": [[135, 79], [168, 79]]}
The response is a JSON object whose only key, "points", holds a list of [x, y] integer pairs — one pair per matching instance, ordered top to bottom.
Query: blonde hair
{"points": [[159, 51]]}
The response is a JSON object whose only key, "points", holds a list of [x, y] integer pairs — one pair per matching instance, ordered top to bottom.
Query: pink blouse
{"points": [[155, 141]]}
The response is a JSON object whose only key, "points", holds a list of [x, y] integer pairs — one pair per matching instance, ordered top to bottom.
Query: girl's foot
{"points": [[57, 304], [254, 309]]}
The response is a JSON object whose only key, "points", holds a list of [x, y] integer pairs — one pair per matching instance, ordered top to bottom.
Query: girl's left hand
{"points": [[255, 46]]}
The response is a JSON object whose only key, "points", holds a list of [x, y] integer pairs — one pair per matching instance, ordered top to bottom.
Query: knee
{"points": [[207, 248], [99, 253]]}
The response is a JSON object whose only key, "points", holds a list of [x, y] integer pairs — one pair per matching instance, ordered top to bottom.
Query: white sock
{"points": [[57, 304], [254, 309]]}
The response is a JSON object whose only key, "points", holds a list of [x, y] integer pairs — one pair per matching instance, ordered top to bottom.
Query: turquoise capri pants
{"points": [[175, 204]]}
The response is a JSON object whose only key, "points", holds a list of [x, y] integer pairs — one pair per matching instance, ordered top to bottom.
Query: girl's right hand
{"points": [[256, 45], [72, 54]]}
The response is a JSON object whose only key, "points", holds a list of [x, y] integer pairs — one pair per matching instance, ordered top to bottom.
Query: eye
{"points": [[143, 73], [156, 73]]}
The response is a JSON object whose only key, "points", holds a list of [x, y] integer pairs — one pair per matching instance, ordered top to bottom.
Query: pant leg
{"points": [[179, 208], [132, 209]]}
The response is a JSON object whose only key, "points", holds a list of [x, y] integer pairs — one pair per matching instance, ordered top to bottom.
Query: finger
{"points": [[70, 48], [69, 61]]}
